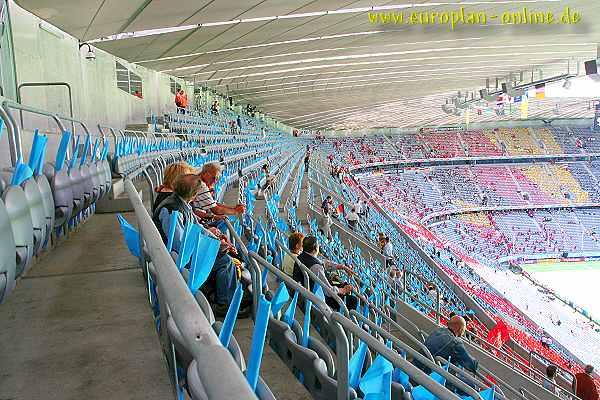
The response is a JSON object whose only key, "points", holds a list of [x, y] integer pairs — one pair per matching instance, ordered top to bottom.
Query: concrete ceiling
{"points": [[328, 70]]}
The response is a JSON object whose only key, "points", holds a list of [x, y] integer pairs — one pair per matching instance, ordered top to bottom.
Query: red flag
{"points": [[499, 334]]}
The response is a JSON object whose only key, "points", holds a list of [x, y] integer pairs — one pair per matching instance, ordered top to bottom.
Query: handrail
{"points": [[41, 84], [83, 125], [14, 130], [111, 130], [293, 284], [324, 285], [187, 314], [396, 326], [426, 360], [561, 369], [415, 373], [474, 379]]}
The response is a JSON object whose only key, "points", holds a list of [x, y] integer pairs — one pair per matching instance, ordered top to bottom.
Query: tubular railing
{"points": [[200, 338]]}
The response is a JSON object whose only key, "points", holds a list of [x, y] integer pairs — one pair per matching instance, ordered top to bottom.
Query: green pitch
{"points": [[562, 266]]}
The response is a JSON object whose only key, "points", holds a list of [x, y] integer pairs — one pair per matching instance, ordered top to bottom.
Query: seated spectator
{"points": [[172, 172], [185, 188], [205, 203], [352, 218], [289, 264], [324, 270], [224, 274], [447, 343], [550, 380], [586, 388]]}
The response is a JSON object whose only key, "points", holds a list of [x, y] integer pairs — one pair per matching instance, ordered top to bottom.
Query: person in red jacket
{"points": [[184, 100], [179, 101], [586, 388]]}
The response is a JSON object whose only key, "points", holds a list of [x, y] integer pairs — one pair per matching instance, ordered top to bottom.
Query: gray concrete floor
{"points": [[78, 326]]}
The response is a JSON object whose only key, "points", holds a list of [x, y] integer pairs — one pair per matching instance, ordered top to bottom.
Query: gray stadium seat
{"points": [[107, 175], [95, 180], [87, 187], [62, 191], [78, 191], [48, 200], [37, 212], [21, 225], [8, 265], [184, 357], [314, 369], [196, 386], [326, 386]]}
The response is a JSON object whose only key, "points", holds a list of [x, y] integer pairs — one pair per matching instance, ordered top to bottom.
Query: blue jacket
{"points": [[162, 218], [443, 343]]}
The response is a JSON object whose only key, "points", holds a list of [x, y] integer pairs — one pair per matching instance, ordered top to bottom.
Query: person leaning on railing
{"points": [[446, 342]]}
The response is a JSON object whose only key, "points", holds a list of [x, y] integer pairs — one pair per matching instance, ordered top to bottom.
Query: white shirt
{"points": [[204, 199], [358, 207], [352, 216], [388, 250]]}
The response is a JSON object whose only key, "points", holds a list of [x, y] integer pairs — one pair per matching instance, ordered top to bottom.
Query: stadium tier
{"points": [[289, 200]]}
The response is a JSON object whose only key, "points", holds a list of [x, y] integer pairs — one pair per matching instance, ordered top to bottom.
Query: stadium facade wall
{"points": [[41, 56]]}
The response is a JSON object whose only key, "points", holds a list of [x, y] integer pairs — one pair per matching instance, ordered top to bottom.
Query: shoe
{"points": [[246, 299], [220, 311], [244, 312]]}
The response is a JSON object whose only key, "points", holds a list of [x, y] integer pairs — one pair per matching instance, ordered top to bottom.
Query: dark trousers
{"points": [[223, 278], [350, 300]]}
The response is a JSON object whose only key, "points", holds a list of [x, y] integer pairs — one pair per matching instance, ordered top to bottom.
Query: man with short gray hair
{"points": [[205, 201]]}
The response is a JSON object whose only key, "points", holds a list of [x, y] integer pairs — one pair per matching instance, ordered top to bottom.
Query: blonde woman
{"points": [[172, 172]]}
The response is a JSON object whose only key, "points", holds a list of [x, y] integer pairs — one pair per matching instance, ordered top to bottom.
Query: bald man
{"points": [[447, 343]]}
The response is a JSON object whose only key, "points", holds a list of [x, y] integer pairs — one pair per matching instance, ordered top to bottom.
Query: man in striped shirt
{"points": [[205, 202]]}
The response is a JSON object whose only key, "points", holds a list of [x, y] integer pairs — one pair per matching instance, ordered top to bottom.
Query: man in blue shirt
{"points": [[447, 343]]}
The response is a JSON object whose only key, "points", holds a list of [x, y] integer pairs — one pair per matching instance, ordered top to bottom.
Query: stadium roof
{"points": [[324, 63]]}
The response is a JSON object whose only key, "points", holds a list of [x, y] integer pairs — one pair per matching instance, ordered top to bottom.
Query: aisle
{"points": [[78, 326]]}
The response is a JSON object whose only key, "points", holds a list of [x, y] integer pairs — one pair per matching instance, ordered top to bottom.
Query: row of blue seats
{"points": [[406, 256], [312, 362]]}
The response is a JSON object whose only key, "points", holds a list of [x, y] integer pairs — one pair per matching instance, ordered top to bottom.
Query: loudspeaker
{"points": [[591, 67]]}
